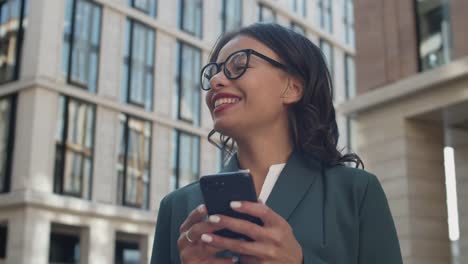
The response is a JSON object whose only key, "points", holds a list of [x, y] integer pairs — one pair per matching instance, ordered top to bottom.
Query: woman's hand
{"points": [[274, 242], [191, 249]]}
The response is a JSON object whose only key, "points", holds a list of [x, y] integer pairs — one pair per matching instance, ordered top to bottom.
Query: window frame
{"points": [[262, 7], [295, 7], [325, 10], [147, 12], [182, 16], [224, 16], [348, 22], [295, 26], [20, 38], [72, 43], [447, 46], [330, 61], [129, 62], [350, 88], [13, 100], [197, 120], [350, 122], [178, 134], [222, 158], [125, 163], [59, 176], [65, 231], [3, 240], [121, 244]]}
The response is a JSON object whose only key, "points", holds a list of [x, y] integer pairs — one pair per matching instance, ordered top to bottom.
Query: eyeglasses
{"points": [[234, 66]]}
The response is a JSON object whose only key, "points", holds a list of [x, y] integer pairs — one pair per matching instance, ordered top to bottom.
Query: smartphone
{"points": [[220, 189]]}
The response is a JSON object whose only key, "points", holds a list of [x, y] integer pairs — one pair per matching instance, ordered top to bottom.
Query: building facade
{"points": [[101, 114], [411, 119]]}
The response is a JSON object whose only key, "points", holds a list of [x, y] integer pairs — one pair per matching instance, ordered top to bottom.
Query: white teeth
{"points": [[222, 101]]}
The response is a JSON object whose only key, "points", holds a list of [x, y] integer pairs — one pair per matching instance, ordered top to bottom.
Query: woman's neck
{"points": [[258, 154]]}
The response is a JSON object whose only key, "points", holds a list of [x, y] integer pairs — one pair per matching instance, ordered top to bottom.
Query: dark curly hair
{"points": [[312, 119]]}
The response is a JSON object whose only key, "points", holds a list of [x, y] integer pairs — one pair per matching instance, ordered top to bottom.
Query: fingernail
{"points": [[235, 204], [201, 208], [214, 219], [206, 238], [235, 259]]}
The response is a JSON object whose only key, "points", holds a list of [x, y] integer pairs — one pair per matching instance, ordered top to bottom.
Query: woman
{"points": [[269, 93]]}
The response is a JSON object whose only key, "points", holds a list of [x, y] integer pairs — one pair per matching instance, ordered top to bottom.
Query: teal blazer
{"points": [[338, 214]]}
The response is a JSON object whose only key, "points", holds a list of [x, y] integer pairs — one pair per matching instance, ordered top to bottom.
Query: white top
{"points": [[270, 180]]}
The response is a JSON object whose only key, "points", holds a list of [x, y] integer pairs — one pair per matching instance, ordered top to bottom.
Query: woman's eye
{"points": [[238, 67]]}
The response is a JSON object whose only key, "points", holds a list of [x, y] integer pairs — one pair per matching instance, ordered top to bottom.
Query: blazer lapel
{"points": [[293, 183]]}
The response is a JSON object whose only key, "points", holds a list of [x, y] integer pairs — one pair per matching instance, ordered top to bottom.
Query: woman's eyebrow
{"points": [[254, 59], [219, 61]]}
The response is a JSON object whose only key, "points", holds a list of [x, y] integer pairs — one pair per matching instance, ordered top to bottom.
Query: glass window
{"points": [[146, 6], [298, 6], [266, 14], [231, 15], [325, 15], [190, 16], [348, 21], [297, 28], [434, 33], [11, 36], [327, 50], [80, 54], [138, 68], [350, 77], [188, 83], [7, 121], [351, 134], [74, 148], [222, 158], [186, 159], [134, 162], [3, 241], [64, 248], [127, 252]]}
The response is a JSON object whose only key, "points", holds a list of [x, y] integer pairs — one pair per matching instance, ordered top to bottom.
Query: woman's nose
{"points": [[218, 81]]}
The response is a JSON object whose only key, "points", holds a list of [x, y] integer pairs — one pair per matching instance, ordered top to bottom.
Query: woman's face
{"points": [[255, 102]]}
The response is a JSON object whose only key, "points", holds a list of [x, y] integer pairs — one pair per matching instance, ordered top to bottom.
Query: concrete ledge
{"points": [[418, 83], [76, 206]]}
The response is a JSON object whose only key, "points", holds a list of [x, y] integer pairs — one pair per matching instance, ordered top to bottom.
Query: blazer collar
{"points": [[292, 185]]}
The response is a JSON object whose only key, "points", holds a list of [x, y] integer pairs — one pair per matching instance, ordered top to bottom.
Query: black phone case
{"points": [[220, 189]]}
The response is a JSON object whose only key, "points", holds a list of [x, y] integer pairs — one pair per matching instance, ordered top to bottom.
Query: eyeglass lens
{"points": [[234, 67]]}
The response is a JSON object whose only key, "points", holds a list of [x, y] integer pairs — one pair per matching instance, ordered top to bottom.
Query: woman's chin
{"points": [[225, 128]]}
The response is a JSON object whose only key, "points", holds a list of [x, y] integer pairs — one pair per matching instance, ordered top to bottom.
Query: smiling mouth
{"points": [[224, 101]]}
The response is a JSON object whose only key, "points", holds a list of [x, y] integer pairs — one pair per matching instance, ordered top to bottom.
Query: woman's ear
{"points": [[293, 91]]}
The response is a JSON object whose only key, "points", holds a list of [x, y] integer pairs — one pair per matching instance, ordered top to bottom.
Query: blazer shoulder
{"points": [[350, 174], [351, 179], [182, 194]]}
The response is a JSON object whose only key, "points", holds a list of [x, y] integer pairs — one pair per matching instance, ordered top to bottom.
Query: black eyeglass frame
{"points": [[249, 52]]}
